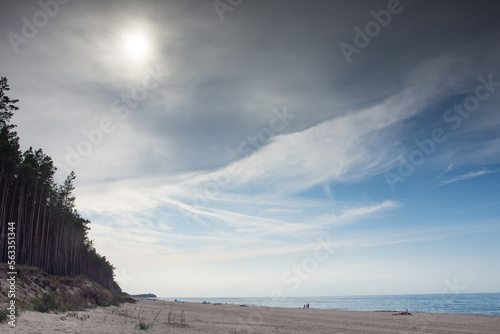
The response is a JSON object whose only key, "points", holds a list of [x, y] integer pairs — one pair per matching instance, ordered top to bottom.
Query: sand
{"points": [[199, 318]]}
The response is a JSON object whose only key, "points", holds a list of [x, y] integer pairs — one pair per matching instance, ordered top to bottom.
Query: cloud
{"points": [[446, 170], [198, 173], [466, 176]]}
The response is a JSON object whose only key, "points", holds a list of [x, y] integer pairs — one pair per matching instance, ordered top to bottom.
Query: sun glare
{"points": [[136, 45]]}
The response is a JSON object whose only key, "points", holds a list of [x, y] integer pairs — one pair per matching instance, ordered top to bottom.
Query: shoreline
{"points": [[335, 303], [315, 308], [190, 317]]}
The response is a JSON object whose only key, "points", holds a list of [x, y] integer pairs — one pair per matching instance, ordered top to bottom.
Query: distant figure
{"points": [[307, 305], [304, 306], [406, 312]]}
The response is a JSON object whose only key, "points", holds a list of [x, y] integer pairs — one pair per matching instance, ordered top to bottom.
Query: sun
{"points": [[136, 44]]}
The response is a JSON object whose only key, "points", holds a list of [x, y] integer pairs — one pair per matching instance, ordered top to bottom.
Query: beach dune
{"points": [[171, 317]]}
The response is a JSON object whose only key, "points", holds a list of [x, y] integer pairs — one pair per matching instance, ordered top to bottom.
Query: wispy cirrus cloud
{"points": [[466, 176], [171, 195]]}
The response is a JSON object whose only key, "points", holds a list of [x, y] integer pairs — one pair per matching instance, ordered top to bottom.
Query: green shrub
{"points": [[46, 303], [23, 305], [3, 315], [144, 326]]}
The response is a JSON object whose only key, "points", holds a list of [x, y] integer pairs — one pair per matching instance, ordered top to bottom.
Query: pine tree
{"points": [[50, 233]]}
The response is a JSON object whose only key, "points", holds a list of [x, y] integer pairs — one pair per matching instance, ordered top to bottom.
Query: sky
{"points": [[240, 148]]}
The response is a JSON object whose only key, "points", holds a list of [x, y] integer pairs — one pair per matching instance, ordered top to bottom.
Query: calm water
{"points": [[470, 303]]}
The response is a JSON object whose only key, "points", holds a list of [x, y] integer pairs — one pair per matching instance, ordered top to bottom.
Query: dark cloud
{"points": [[226, 76]]}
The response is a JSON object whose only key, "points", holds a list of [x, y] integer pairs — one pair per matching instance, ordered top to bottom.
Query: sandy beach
{"points": [[172, 317]]}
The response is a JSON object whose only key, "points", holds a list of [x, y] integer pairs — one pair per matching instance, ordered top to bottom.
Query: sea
{"points": [[466, 303]]}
